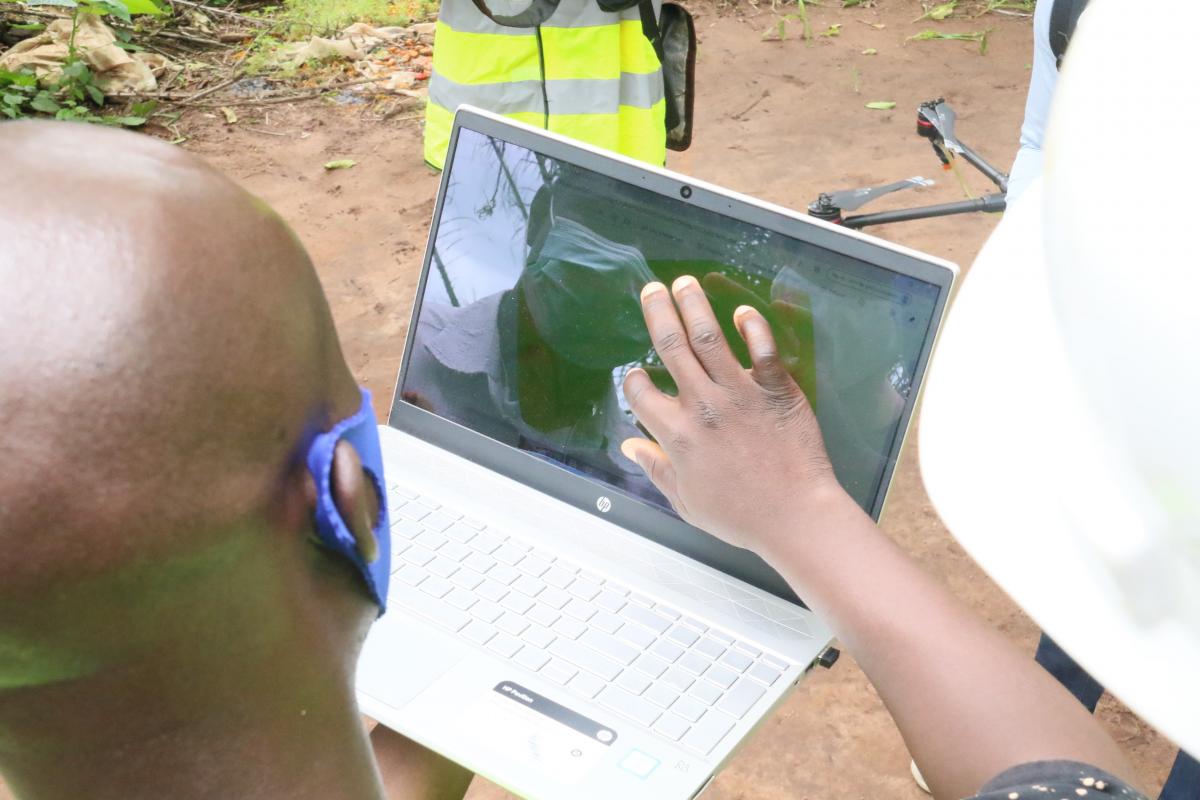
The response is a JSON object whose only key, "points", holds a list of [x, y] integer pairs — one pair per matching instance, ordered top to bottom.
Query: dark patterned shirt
{"points": [[1056, 780]]}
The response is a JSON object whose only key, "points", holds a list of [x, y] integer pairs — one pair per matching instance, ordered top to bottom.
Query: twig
{"points": [[221, 12], [213, 89], [766, 93], [264, 132]]}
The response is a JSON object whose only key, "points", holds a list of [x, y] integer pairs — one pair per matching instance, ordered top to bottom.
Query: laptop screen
{"points": [[530, 318]]}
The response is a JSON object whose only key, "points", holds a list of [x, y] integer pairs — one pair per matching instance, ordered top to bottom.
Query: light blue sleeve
{"points": [[1037, 105]]}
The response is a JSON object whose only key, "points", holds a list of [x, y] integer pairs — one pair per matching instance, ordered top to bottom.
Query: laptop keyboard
{"points": [[644, 660]]}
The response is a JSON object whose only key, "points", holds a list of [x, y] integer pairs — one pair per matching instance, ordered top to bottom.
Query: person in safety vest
{"points": [[568, 66]]}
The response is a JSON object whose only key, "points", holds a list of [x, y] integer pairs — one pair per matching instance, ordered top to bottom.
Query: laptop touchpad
{"points": [[402, 657]]}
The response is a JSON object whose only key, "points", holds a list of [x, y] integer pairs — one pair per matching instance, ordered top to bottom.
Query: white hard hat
{"points": [[1060, 435]]}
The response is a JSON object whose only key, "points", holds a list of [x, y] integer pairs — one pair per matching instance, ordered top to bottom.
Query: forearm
{"points": [[968, 703]]}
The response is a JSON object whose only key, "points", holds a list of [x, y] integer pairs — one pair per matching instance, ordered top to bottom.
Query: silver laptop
{"points": [[553, 625]]}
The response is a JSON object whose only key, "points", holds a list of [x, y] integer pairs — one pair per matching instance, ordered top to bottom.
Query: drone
{"points": [[936, 122]]}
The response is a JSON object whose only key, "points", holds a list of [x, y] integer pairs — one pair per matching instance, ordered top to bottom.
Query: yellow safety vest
{"points": [[585, 73]]}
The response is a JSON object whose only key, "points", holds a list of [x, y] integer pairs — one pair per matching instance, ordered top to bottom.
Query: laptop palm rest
{"points": [[410, 656]]}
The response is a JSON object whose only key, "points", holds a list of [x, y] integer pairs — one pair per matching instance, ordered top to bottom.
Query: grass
{"points": [[974, 36]]}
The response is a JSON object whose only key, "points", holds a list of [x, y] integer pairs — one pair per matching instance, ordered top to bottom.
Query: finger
{"points": [[704, 333], [670, 338], [768, 369], [652, 408], [656, 464]]}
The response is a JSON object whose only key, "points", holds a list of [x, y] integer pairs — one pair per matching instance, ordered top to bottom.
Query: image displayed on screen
{"points": [[531, 318]]}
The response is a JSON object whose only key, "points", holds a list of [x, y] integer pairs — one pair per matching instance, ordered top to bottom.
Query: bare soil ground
{"points": [[782, 121]]}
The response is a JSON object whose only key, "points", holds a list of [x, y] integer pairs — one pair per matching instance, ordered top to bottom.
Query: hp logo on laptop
{"points": [[603, 504]]}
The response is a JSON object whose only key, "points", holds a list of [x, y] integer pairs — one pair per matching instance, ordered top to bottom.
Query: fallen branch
{"points": [[262, 23]]}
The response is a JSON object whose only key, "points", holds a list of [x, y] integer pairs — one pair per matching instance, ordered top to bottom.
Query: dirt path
{"points": [[778, 120]]}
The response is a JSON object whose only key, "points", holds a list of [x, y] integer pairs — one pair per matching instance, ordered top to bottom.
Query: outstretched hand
{"points": [[738, 452]]}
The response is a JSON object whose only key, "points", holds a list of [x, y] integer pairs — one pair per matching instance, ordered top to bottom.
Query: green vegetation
{"points": [[974, 36]]}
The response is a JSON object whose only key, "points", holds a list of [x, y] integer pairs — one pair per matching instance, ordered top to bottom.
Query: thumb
{"points": [[656, 464]]}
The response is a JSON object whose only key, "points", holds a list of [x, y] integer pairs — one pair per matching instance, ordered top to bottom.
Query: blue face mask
{"points": [[362, 433]]}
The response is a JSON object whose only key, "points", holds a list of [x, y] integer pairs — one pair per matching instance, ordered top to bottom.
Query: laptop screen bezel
{"points": [[588, 494]]}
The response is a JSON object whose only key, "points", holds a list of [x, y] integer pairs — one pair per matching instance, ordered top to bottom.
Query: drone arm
{"points": [[980, 163], [990, 203]]}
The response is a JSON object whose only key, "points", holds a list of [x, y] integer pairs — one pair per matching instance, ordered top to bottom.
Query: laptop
{"points": [[554, 626]]}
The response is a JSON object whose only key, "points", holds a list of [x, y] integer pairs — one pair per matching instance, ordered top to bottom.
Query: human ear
{"points": [[356, 499]]}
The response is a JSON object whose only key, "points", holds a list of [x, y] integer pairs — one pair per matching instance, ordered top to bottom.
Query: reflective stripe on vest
{"points": [[602, 81]]}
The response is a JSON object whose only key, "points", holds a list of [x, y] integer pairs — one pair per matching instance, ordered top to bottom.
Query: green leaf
{"points": [[66, 3], [143, 7], [117, 8], [32, 27], [870, 51], [77, 70], [22, 78], [96, 95], [45, 103], [881, 105], [144, 108], [128, 122], [341, 163]]}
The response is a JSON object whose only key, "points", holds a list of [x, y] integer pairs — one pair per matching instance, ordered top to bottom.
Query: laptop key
{"points": [[432, 505], [414, 511], [439, 521], [474, 523], [407, 529], [460, 533], [486, 542], [455, 551], [508, 553], [418, 555], [479, 562], [532, 565], [442, 567], [503, 573], [412, 575], [558, 577], [466, 578], [529, 586], [438, 587], [584, 589], [491, 590], [555, 598], [461, 599], [515, 601], [610, 601], [579, 609], [436, 611], [487, 611], [667, 612], [543, 615], [646, 617], [606, 622], [512, 624], [571, 628], [478, 632], [636, 635], [683, 635], [538, 636], [723, 638], [504, 644], [710, 647], [612, 648], [666, 650], [531, 658], [585, 658], [736, 660], [694, 663], [775, 663], [651, 665], [558, 671], [763, 673], [721, 676], [678, 679], [633, 681], [586, 684], [706, 692], [661, 695], [741, 698], [630, 705], [688, 708], [671, 727], [707, 733]]}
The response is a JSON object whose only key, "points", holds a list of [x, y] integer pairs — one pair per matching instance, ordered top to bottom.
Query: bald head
{"points": [[166, 344]]}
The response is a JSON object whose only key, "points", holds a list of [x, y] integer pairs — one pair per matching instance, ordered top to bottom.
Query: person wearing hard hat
{"points": [[1054, 23], [1059, 443]]}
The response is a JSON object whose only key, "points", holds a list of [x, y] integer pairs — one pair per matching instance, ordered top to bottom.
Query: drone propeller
{"points": [[941, 116], [854, 199]]}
